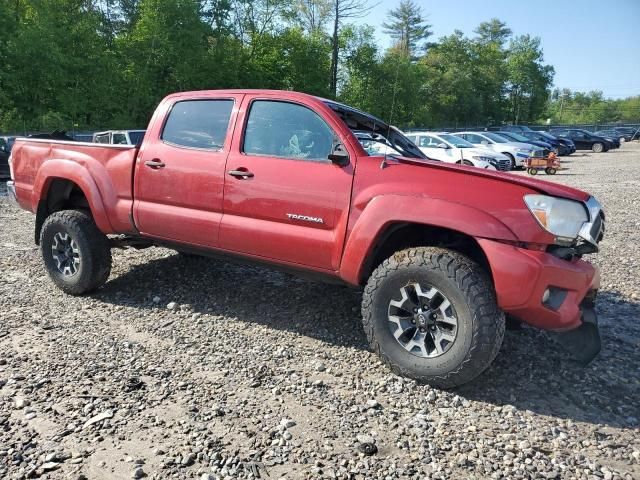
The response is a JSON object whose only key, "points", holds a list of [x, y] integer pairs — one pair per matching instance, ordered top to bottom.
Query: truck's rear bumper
{"points": [[522, 277]]}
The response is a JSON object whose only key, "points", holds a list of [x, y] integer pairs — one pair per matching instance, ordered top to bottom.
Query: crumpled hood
{"points": [[548, 188]]}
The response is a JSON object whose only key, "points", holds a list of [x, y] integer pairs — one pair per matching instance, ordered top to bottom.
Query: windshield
{"points": [[379, 132], [546, 135], [136, 137], [495, 137], [456, 141]]}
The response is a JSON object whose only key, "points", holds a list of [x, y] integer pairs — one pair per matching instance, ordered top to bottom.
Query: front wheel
{"points": [[597, 147], [550, 170], [76, 254], [431, 315]]}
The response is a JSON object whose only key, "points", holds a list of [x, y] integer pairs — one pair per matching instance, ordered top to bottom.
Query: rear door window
{"points": [[198, 124]]}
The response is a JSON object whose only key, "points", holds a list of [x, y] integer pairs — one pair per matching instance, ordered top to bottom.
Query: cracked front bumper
{"points": [[523, 277]]}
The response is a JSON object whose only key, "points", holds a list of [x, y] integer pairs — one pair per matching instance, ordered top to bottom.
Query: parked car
{"points": [[630, 133], [612, 135], [119, 137], [517, 137], [583, 139], [6, 143], [565, 146], [453, 149], [516, 151], [442, 251]]}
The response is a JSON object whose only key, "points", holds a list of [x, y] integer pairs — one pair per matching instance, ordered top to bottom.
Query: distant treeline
{"points": [[91, 64]]}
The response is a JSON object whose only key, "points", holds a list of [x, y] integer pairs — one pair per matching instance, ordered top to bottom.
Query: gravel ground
{"points": [[201, 369]]}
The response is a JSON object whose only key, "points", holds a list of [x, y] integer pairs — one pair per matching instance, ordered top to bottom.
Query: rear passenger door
{"points": [[179, 175]]}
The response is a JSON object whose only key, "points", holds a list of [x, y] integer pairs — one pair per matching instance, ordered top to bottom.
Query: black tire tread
{"points": [[97, 260], [489, 321]]}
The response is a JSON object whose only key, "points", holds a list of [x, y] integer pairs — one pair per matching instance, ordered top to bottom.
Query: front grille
{"points": [[503, 165], [597, 229], [593, 230]]}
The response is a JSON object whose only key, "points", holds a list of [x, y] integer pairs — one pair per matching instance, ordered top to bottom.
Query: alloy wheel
{"points": [[66, 254], [422, 320]]}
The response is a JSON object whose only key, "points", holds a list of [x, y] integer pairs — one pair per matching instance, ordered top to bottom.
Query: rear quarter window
{"points": [[198, 123]]}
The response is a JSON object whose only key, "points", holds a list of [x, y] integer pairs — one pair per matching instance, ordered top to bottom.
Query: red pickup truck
{"points": [[442, 251]]}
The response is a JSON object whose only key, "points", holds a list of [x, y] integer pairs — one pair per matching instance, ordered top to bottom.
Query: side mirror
{"points": [[484, 142], [443, 145], [340, 156]]}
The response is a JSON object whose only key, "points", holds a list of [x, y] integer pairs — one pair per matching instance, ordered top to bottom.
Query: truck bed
{"points": [[104, 172]]}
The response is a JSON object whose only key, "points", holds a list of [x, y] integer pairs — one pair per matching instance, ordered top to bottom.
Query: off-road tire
{"points": [[597, 147], [95, 252], [481, 324]]}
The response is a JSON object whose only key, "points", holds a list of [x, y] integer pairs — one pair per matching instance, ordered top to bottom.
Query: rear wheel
{"points": [[597, 147], [467, 163], [532, 171], [76, 254], [431, 315]]}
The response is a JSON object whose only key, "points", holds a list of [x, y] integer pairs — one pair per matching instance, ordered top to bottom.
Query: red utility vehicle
{"points": [[442, 251]]}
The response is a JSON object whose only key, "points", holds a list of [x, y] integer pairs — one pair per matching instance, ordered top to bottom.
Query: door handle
{"points": [[155, 163], [241, 174]]}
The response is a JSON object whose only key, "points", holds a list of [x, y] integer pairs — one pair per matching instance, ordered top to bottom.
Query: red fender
{"points": [[68, 170], [385, 210]]}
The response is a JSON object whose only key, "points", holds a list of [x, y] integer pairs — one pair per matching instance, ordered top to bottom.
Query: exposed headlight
{"points": [[480, 158], [558, 216]]}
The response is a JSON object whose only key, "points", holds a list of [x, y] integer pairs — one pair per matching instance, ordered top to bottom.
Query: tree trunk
{"points": [[333, 87]]}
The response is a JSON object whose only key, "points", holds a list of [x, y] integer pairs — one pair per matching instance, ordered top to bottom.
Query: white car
{"points": [[119, 137], [450, 148], [516, 151]]}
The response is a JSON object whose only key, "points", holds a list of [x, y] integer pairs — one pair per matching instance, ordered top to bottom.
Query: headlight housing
{"points": [[480, 158], [558, 216]]}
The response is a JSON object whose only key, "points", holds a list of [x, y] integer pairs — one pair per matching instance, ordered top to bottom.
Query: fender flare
{"points": [[74, 172], [385, 210]]}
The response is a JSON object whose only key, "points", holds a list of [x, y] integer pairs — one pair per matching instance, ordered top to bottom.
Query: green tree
{"points": [[342, 10], [408, 27], [493, 31], [529, 79]]}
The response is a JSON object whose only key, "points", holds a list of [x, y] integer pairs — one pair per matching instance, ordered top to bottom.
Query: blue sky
{"points": [[593, 44]]}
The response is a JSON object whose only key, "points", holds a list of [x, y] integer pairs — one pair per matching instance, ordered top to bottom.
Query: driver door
{"points": [[283, 199]]}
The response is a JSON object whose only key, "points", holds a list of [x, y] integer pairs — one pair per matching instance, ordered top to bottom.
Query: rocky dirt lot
{"points": [[201, 369]]}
